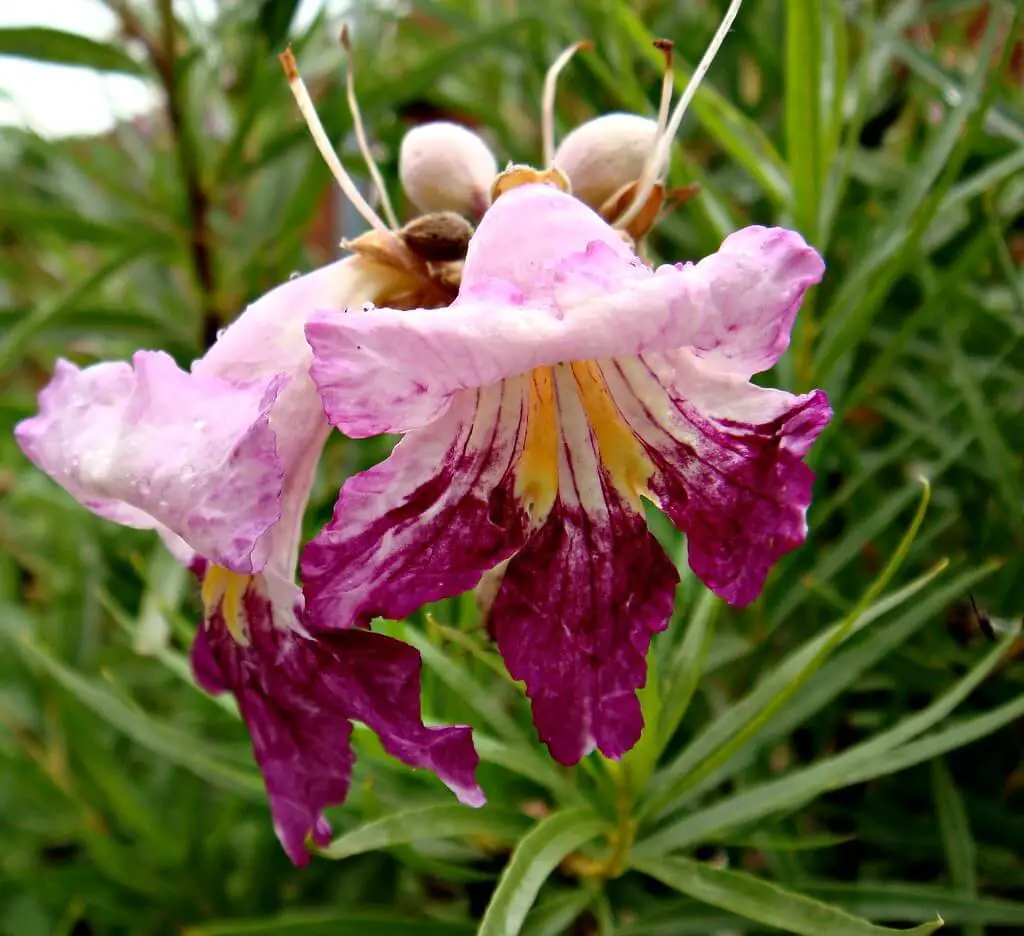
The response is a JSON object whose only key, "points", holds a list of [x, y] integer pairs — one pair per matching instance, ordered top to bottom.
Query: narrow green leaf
{"points": [[274, 21], [63, 48], [803, 120], [1000, 120], [859, 296], [14, 343], [1003, 465], [166, 579], [849, 665], [686, 667], [481, 700], [738, 724], [162, 739], [940, 742], [885, 753], [531, 763], [444, 820], [955, 830], [778, 843], [538, 853], [896, 900], [764, 902], [555, 916], [329, 923]]}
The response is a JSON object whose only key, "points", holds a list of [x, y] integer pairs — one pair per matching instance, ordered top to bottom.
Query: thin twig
{"points": [[163, 58]]}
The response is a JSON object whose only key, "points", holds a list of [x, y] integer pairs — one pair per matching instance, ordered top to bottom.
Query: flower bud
{"points": [[605, 154], [445, 167]]}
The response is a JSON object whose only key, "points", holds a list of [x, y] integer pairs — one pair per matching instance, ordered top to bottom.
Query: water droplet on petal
{"points": [[294, 276], [220, 333], [199, 424]]}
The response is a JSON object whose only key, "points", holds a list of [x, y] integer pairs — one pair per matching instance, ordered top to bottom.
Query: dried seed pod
{"points": [[606, 154], [446, 167], [438, 238]]}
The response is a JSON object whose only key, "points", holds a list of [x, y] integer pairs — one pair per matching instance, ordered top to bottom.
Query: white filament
{"points": [[548, 100], [323, 144], [658, 162]]}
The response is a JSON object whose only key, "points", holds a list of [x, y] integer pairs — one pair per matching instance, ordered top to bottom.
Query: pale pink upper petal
{"points": [[547, 281], [749, 293], [149, 446], [218, 461]]}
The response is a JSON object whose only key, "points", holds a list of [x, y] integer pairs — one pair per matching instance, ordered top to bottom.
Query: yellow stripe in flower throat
{"points": [[626, 463], [224, 588]]}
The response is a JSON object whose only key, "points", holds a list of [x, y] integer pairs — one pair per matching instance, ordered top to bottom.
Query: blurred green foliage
{"points": [[803, 766]]}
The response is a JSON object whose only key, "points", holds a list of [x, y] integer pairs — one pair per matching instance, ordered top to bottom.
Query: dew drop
{"points": [[294, 276], [220, 333], [199, 424]]}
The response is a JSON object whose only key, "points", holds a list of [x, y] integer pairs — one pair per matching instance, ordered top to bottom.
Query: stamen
{"points": [[664, 46], [548, 98], [357, 125], [323, 144], [658, 162]]}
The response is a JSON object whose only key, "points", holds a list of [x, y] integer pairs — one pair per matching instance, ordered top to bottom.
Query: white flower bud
{"points": [[605, 154], [445, 167]]}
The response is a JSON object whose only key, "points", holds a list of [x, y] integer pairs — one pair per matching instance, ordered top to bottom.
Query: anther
{"points": [[323, 144], [658, 162]]}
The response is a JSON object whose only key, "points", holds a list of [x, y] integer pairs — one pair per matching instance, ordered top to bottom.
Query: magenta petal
{"points": [[150, 446], [728, 457], [426, 523], [574, 618], [298, 697]]}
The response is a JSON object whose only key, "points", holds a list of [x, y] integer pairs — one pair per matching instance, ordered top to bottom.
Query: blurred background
{"points": [[155, 177]]}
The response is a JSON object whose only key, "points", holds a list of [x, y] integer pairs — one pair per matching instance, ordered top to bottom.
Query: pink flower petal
{"points": [[547, 281], [149, 446], [728, 462], [427, 522], [577, 607], [298, 697]]}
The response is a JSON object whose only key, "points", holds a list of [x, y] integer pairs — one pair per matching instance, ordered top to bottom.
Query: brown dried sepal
{"points": [[514, 176], [680, 196], [659, 204], [616, 206], [441, 237], [386, 249], [448, 276], [410, 281]]}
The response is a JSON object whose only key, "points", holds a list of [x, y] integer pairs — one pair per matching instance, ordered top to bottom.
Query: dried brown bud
{"points": [[605, 154], [446, 167], [438, 238]]}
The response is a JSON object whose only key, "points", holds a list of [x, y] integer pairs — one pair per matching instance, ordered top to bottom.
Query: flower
{"points": [[566, 382], [220, 461]]}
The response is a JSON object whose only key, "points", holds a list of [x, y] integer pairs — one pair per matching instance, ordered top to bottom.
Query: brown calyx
{"points": [[652, 210], [441, 237], [412, 280]]}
